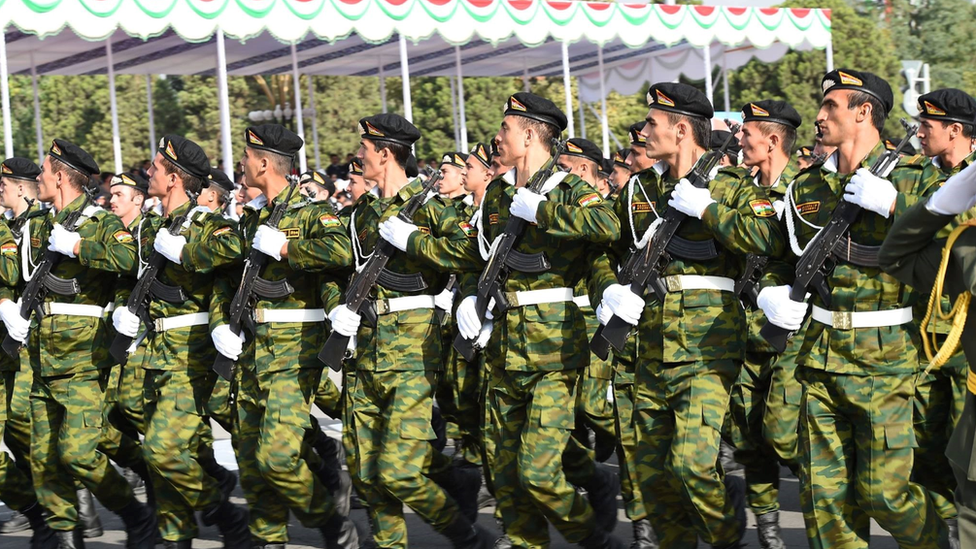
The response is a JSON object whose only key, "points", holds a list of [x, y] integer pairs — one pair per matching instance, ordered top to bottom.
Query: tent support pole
{"points": [[830, 53], [707, 59], [405, 73], [725, 80], [382, 84], [569, 90], [460, 92], [224, 105], [454, 114], [152, 116], [582, 117], [299, 118], [315, 121], [604, 123], [38, 125], [8, 132], [116, 141]]}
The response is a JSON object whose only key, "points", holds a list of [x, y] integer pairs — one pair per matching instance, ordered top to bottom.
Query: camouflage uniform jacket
{"points": [[318, 251], [9, 280], [703, 324], [408, 340], [61, 344], [866, 351]]}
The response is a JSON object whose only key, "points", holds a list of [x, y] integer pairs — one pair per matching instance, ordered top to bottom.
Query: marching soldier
{"points": [[946, 133], [216, 192], [691, 346], [68, 350], [178, 355], [858, 361], [279, 371], [765, 401]]}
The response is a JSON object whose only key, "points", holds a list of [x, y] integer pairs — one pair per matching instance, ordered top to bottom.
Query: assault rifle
{"points": [[17, 224], [747, 286]]}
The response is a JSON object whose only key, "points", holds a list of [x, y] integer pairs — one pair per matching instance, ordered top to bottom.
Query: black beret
{"points": [[869, 83], [679, 98], [948, 104], [536, 107], [771, 110], [389, 127], [635, 134], [273, 138], [718, 138], [494, 148], [584, 148], [481, 152], [804, 152], [186, 154], [74, 156], [620, 158], [455, 159], [606, 166], [356, 167], [19, 168], [411, 169], [312, 176], [219, 178], [137, 182]]}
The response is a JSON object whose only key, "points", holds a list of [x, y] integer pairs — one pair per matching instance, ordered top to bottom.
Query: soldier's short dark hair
{"points": [[878, 113], [701, 128], [967, 129], [546, 132], [787, 133], [399, 151], [280, 163], [77, 179], [191, 183]]}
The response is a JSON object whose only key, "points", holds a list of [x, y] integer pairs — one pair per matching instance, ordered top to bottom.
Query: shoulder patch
{"points": [[589, 200], [642, 207], [808, 207], [762, 208], [493, 219], [329, 220], [468, 229], [425, 230], [220, 231], [292, 233], [123, 236], [35, 242], [9, 248]]}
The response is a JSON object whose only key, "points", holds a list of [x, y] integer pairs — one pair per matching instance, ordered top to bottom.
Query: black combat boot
{"points": [[224, 477], [462, 484], [602, 492], [231, 520], [91, 525], [140, 525], [767, 527], [340, 533], [464, 534], [644, 536], [43, 537], [70, 539], [601, 539], [184, 544]]}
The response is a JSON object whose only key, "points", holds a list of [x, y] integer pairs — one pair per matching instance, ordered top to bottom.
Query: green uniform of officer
{"points": [[691, 346], [859, 359]]}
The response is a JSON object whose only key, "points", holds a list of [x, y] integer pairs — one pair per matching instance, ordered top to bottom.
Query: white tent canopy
{"points": [[626, 44]]}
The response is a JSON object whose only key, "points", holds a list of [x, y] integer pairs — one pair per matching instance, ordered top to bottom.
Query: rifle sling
{"points": [[856, 254]]}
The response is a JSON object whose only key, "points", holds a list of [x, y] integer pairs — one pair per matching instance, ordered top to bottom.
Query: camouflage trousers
{"points": [[468, 388], [328, 397], [624, 397], [130, 398], [939, 399], [175, 407], [273, 410], [765, 410], [594, 411], [680, 411], [530, 419], [66, 427], [17, 429], [387, 436], [120, 439], [856, 450], [961, 453], [16, 489]]}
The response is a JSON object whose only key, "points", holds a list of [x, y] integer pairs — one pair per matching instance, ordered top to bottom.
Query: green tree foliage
{"points": [[940, 33]]}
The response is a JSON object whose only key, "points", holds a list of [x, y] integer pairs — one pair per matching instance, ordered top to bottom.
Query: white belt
{"points": [[680, 283], [538, 297], [581, 300], [408, 303], [75, 309], [264, 316], [844, 320], [181, 321]]}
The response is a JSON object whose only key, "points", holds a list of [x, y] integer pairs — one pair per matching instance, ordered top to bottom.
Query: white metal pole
{"points": [[830, 53], [707, 55], [405, 73], [525, 76], [725, 80], [382, 85], [569, 90], [460, 92], [224, 105], [152, 116], [454, 116], [582, 117], [299, 118], [315, 121], [604, 123], [38, 126], [8, 132], [116, 141]]}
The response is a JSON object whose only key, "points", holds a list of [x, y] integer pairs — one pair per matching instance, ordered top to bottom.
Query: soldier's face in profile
{"points": [[835, 119], [660, 135], [934, 136], [511, 140], [755, 146], [476, 175], [620, 176], [158, 178], [450, 179], [46, 182], [9, 189], [123, 200]]}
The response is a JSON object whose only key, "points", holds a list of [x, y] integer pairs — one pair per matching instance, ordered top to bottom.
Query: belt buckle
{"points": [[673, 283], [512, 298], [382, 306], [259, 316], [842, 320], [158, 325]]}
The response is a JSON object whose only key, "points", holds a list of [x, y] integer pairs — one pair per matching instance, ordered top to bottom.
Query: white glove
{"points": [[871, 192], [956, 195], [689, 199], [526, 204], [397, 232], [63, 241], [269, 241], [170, 246], [445, 300], [622, 302], [780, 310], [603, 314], [344, 321], [125, 322], [17, 326], [484, 335], [228, 343]]}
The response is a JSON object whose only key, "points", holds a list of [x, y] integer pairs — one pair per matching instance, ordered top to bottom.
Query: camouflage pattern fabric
{"points": [[328, 397], [18, 425], [16, 488]]}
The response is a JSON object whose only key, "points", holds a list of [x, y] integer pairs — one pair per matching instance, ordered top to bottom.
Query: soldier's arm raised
{"points": [[586, 216], [745, 221], [326, 245], [445, 245], [107, 246], [220, 246]]}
